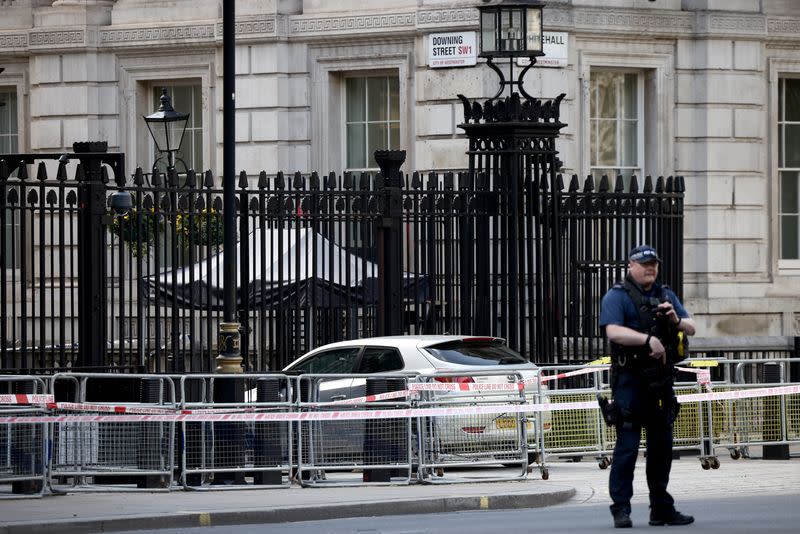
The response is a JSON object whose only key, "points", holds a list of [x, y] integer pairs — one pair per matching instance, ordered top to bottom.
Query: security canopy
{"points": [[288, 267]]}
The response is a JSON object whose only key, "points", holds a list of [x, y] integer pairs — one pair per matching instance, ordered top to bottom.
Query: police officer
{"points": [[641, 320]]}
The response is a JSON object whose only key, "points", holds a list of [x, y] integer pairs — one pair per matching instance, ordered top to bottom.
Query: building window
{"points": [[186, 98], [616, 102], [372, 119], [9, 133], [9, 144], [789, 166], [11, 239]]}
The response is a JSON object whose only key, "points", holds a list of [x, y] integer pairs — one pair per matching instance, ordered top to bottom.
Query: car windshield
{"points": [[464, 352]]}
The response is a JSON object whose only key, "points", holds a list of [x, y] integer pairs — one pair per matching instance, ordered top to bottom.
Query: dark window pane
{"points": [[629, 96], [356, 98], [377, 99], [394, 99], [792, 101], [394, 136], [378, 139], [630, 143], [356, 144], [792, 146], [197, 157], [789, 192], [789, 237], [475, 353], [380, 360], [329, 362]]}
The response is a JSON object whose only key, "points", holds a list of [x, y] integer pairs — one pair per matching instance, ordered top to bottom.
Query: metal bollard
{"points": [[150, 392], [270, 436], [378, 444], [229, 449]]}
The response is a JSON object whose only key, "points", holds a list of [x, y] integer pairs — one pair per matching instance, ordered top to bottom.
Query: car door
{"points": [[341, 360], [375, 360], [339, 440]]}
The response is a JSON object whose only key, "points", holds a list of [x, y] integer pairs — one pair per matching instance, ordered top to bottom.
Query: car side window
{"points": [[380, 360], [335, 361]]}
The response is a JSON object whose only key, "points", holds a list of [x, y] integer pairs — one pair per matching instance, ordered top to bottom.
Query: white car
{"points": [[439, 359]]}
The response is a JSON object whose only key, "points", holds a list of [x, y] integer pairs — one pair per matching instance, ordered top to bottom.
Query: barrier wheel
{"points": [[735, 454], [604, 463], [714, 463], [705, 464], [440, 472], [545, 474]]}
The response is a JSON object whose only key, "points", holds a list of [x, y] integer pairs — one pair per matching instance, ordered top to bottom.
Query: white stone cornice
{"points": [[447, 17], [559, 18], [380, 22], [619, 22], [670, 22], [733, 25], [783, 27], [252, 28], [138, 36], [58, 38], [13, 41]]}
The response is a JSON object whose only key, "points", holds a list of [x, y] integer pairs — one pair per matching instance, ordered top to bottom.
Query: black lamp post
{"points": [[511, 29], [167, 127], [512, 146]]}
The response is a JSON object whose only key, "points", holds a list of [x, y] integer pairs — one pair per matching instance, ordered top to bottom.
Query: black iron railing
{"points": [[309, 264]]}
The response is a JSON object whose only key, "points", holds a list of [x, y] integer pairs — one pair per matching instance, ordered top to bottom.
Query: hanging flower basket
{"points": [[202, 229], [137, 230]]}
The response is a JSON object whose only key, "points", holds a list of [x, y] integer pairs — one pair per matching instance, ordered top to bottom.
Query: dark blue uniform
{"points": [[642, 406]]}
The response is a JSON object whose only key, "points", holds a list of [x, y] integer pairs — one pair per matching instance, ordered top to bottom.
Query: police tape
{"points": [[577, 372], [703, 375], [377, 397], [22, 398], [153, 410], [393, 413]]}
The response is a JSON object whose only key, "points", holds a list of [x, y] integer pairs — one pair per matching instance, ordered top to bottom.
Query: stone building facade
{"points": [[707, 89]]}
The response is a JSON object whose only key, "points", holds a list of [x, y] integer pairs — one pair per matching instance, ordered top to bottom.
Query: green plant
{"points": [[137, 229], [201, 229]]}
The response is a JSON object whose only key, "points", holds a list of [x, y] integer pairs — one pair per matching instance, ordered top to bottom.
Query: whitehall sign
{"points": [[554, 46], [452, 49]]}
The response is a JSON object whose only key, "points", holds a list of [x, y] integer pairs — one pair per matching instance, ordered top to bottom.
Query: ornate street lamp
{"points": [[511, 29], [167, 127], [512, 148]]}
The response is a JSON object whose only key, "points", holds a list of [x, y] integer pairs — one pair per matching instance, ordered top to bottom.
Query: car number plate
{"points": [[509, 423]]}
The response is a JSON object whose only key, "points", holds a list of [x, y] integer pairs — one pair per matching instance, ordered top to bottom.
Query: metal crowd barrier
{"points": [[772, 422], [582, 432], [327, 434], [512, 439], [363, 450], [229, 454], [93, 456], [23, 461]]}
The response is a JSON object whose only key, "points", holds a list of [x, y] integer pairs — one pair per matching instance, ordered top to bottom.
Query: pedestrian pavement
{"points": [[572, 483]]}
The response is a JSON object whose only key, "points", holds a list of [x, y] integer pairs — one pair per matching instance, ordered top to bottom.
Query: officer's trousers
{"points": [[641, 408]]}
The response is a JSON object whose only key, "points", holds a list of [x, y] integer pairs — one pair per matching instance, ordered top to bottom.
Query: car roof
{"points": [[403, 341]]}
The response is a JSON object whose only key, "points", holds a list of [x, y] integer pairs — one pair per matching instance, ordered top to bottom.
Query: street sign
{"points": [[458, 49], [556, 52]]}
